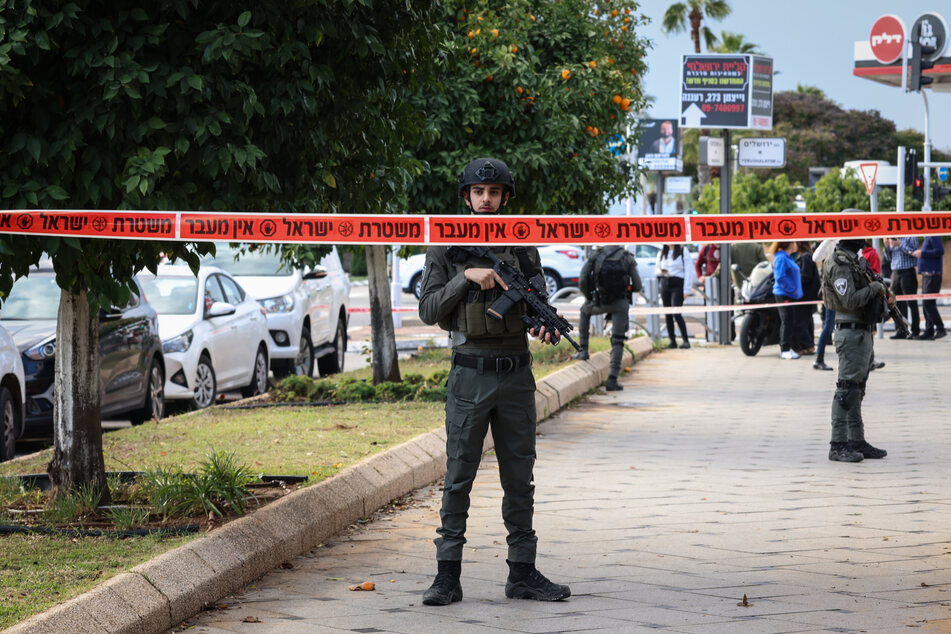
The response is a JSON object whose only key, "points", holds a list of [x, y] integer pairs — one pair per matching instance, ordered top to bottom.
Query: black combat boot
{"points": [[581, 355], [612, 385], [867, 450], [841, 452], [525, 582], [446, 588]]}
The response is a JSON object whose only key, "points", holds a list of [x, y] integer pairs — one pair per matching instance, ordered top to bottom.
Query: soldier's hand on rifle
{"points": [[485, 278], [877, 287], [545, 335]]}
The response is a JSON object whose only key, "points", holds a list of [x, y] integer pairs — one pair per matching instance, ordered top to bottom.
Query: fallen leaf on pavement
{"points": [[366, 585], [744, 603], [250, 619]]}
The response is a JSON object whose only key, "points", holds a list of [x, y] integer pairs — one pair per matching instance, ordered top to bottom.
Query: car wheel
{"points": [[552, 282], [417, 285], [333, 363], [303, 365], [258, 383], [206, 385], [154, 407], [8, 425]]}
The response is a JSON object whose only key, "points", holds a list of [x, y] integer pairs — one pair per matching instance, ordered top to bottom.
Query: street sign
{"points": [[930, 29], [887, 38], [726, 91], [712, 151], [761, 152], [869, 171], [942, 174], [677, 185]]}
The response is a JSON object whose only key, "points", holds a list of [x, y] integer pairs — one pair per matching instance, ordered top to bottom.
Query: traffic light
{"points": [[917, 81], [911, 167], [918, 188]]}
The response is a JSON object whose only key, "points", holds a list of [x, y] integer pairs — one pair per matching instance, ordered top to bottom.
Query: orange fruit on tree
{"points": [[614, 13], [624, 28], [495, 32], [471, 34], [514, 49], [592, 64], [565, 74], [489, 78], [519, 89], [616, 99], [625, 104], [588, 129], [595, 132]]}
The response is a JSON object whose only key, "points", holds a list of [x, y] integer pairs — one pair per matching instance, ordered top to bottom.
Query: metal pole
{"points": [[900, 188], [926, 205], [873, 207], [725, 277], [396, 289]]}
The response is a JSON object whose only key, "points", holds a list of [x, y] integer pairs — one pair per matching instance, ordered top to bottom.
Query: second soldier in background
{"points": [[608, 280]]}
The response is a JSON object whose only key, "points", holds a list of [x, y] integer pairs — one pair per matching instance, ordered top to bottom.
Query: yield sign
{"points": [[869, 172]]}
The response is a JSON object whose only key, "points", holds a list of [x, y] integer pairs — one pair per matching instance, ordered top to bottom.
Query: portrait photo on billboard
{"points": [[658, 138]]}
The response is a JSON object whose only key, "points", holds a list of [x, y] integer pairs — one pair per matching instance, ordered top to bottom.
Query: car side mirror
{"points": [[316, 274], [220, 309], [113, 314]]}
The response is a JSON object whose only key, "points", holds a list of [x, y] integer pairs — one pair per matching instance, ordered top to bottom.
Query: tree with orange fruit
{"points": [[548, 87]]}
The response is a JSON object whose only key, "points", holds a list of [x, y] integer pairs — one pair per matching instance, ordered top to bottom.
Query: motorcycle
{"points": [[758, 326]]}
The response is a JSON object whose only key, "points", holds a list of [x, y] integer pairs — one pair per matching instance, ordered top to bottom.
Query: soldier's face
{"points": [[485, 199]]}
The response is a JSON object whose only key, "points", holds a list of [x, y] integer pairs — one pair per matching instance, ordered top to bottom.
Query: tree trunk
{"points": [[703, 171], [382, 334], [77, 426]]}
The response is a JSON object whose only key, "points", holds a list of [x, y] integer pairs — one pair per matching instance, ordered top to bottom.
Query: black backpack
{"points": [[608, 279]]}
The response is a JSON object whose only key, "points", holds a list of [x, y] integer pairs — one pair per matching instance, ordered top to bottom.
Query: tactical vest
{"points": [[840, 268], [470, 316]]}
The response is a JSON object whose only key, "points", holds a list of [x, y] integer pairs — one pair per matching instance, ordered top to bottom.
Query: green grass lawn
{"points": [[37, 572]]}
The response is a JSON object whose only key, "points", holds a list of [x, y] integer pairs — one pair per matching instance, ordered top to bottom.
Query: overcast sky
{"points": [[811, 43]]}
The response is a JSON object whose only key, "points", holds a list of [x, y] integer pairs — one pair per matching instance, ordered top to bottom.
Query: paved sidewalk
{"points": [[663, 505]]}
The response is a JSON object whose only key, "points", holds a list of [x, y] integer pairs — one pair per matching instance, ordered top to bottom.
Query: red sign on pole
{"points": [[887, 38], [869, 172]]}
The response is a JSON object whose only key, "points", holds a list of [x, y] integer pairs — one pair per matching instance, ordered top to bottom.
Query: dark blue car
{"points": [[132, 370]]}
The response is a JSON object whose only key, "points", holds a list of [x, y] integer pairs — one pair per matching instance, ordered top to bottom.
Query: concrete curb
{"points": [[159, 594]]}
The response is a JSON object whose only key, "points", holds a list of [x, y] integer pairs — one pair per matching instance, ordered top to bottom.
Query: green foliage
{"points": [[690, 14], [533, 84], [209, 106], [844, 189], [751, 195], [437, 378], [413, 379], [303, 388], [352, 391], [393, 391], [431, 394], [220, 483], [72, 506], [128, 518]]}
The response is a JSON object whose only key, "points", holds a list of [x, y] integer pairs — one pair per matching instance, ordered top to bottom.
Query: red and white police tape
{"points": [[466, 229]]}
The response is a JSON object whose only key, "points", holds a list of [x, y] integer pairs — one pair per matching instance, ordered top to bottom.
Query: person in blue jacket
{"points": [[931, 267], [787, 287]]}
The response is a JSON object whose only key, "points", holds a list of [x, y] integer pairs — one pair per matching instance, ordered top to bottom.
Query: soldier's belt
{"points": [[853, 325], [499, 365]]}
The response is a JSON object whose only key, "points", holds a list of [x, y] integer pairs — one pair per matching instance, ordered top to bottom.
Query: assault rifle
{"points": [[521, 288], [890, 307]]}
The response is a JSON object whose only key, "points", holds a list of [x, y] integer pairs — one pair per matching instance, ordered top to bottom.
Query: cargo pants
{"points": [[619, 322], [854, 350], [476, 401]]}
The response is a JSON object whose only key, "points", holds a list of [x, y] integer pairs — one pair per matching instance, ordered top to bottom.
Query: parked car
{"points": [[561, 264], [306, 310], [214, 333], [131, 363], [12, 394]]}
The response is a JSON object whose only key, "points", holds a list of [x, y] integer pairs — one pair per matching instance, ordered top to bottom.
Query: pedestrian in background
{"points": [[708, 262], [931, 267], [675, 272], [608, 280], [905, 280], [787, 287], [805, 336], [490, 385]]}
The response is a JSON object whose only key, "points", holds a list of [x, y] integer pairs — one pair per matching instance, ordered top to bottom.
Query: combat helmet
{"points": [[487, 171]]}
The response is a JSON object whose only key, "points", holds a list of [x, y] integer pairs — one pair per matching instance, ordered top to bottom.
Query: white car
{"points": [[561, 264], [306, 310], [214, 334], [12, 395]]}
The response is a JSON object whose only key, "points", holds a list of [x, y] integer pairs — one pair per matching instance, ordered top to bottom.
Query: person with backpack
{"points": [[608, 280]]}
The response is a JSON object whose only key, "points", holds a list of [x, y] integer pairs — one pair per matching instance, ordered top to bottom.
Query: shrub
{"points": [[413, 379], [437, 379], [294, 388], [322, 390], [353, 391], [392, 391], [431, 394]]}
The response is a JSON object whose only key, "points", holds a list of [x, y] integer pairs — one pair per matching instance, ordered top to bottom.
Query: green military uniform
{"points": [[746, 255], [847, 291], [596, 304], [490, 384]]}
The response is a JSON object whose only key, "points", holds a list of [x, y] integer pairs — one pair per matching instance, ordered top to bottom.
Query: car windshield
{"points": [[255, 263], [171, 295], [33, 297]]}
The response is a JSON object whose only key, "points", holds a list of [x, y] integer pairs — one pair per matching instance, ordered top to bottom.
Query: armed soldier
{"points": [[608, 280], [858, 306], [490, 383]]}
